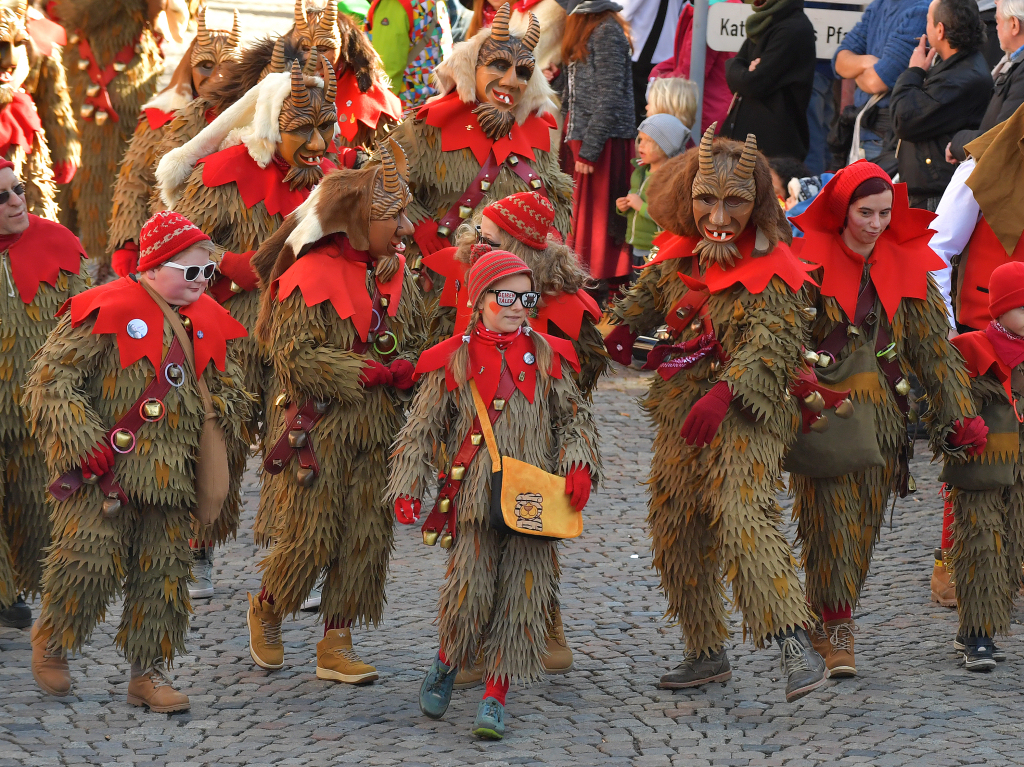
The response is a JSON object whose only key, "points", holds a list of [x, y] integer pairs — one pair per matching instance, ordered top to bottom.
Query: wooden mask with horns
{"points": [[317, 28], [13, 41], [212, 48], [308, 120]]}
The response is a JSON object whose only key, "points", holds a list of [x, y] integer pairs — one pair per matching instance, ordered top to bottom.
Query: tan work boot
{"points": [[943, 590], [819, 639], [265, 645], [557, 656], [337, 661], [839, 661], [49, 667], [466, 678], [153, 688]]}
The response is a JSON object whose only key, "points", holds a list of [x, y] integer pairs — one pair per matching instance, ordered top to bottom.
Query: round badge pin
{"points": [[137, 328], [528, 358]]}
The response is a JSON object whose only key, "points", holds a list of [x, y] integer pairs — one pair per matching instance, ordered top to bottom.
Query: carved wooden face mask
{"points": [[317, 29], [213, 48], [13, 52], [504, 67], [308, 122], [723, 199], [388, 221]]}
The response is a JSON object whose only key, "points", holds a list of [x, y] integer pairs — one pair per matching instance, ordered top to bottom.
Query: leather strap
{"points": [[378, 330], [297, 420]]}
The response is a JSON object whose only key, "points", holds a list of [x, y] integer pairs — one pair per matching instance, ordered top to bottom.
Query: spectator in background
{"points": [[652, 26], [411, 37], [991, 49], [874, 53], [1008, 75], [771, 79], [945, 89], [674, 96], [599, 130], [784, 170]]}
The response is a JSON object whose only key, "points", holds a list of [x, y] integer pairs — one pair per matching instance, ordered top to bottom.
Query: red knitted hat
{"points": [[5, 163], [845, 184], [527, 216], [164, 236], [491, 266], [1006, 288]]}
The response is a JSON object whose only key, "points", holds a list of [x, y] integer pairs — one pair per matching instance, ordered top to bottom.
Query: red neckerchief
{"points": [[488, 15], [45, 34], [102, 77], [354, 106], [19, 123], [460, 129], [254, 183], [40, 253], [900, 261], [335, 271], [754, 273], [118, 303], [1009, 346], [981, 357], [485, 362]]}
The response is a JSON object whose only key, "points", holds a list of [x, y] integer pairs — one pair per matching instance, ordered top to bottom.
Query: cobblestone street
{"points": [[911, 704]]}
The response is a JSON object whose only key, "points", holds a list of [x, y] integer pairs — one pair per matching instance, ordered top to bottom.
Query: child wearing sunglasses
{"points": [[121, 417], [500, 587]]}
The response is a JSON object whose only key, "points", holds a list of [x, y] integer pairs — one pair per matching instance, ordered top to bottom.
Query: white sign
{"points": [[727, 27]]}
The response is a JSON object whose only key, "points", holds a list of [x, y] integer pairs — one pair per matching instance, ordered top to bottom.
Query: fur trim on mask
{"points": [[458, 72]]}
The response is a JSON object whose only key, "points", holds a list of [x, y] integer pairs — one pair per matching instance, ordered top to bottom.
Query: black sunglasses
{"points": [[18, 189], [485, 241], [506, 298]]}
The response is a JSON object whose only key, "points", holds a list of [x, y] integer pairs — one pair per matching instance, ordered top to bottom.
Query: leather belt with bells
{"points": [[380, 337], [148, 408], [297, 440], [442, 518]]}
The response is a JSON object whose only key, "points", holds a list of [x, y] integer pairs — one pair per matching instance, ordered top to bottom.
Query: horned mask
{"points": [[317, 28], [215, 46], [14, 64], [504, 67], [308, 120], [391, 189]]}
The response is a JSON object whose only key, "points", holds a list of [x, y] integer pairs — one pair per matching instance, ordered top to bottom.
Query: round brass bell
{"points": [[73, 39], [83, 64], [119, 66], [92, 89], [86, 111], [100, 117], [235, 287], [186, 323], [695, 325], [811, 358], [174, 374], [903, 387], [281, 400], [815, 402], [845, 408], [152, 410], [913, 417], [820, 424], [297, 439], [122, 440], [305, 477], [444, 505], [111, 508], [430, 537], [447, 540]]}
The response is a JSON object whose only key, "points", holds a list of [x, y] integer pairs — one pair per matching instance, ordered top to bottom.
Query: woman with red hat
{"points": [[879, 315], [137, 443], [500, 586]]}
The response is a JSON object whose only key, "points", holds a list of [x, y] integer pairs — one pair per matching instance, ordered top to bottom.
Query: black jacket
{"points": [[1009, 94], [771, 102], [927, 108]]}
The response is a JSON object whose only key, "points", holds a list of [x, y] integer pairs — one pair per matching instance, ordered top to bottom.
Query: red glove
{"points": [[63, 172], [125, 260], [237, 268], [619, 344], [401, 372], [375, 374], [706, 415], [971, 433], [98, 462], [577, 486], [407, 509]]}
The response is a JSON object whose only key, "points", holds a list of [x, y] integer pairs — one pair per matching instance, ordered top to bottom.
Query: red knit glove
{"points": [[63, 172], [125, 259], [237, 268], [619, 344], [401, 372], [375, 374], [706, 415], [971, 433], [98, 462], [578, 483], [407, 509]]}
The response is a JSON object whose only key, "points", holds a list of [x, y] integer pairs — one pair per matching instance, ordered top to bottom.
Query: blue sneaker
{"points": [[436, 690], [490, 720]]}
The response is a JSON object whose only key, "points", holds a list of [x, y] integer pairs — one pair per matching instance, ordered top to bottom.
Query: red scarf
{"points": [[19, 123], [40, 253], [1009, 346]]}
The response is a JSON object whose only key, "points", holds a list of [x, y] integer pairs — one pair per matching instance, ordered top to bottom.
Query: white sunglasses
{"points": [[192, 272]]}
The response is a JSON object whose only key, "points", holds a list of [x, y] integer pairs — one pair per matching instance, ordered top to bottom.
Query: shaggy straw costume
{"points": [[111, 44], [449, 141], [42, 269], [714, 518], [840, 518]]}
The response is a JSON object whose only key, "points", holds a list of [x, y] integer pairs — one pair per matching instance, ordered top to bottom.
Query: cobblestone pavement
{"points": [[911, 704]]}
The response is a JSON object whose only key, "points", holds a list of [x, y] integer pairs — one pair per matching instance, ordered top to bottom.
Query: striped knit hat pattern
{"points": [[489, 266]]}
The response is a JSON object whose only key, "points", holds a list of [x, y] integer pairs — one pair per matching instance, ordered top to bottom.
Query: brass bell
{"points": [[73, 39], [83, 64], [119, 66], [92, 89], [86, 111], [101, 117], [513, 160], [536, 183], [485, 185], [465, 211], [443, 230], [417, 263], [235, 287], [383, 300], [811, 311], [186, 323], [695, 325], [852, 330], [811, 358], [823, 361], [715, 364], [175, 374], [902, 387], [280, 400], [815, 402], [498, 403], [321, 407], [845, 408], [152, 410], [912, 416], [820, 424], [297, 439], [476, 439], [123, 440], [457, 473], [305, 477], [92, 479], [911, 484], [444, 505], [111, 508], [430, 537], [447, 540]]}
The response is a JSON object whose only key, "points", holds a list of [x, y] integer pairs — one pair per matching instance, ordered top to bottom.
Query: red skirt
{"points": [[598, 231]]}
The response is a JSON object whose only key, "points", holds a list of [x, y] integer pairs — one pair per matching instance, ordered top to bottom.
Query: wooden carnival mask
{"points": [[317, 29], [213, 47], [14, 65], [504, 67], [308, 122], [723, 198], [389, 223]]}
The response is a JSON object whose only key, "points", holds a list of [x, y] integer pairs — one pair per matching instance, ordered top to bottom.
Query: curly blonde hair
{"points": [[675, 96]]}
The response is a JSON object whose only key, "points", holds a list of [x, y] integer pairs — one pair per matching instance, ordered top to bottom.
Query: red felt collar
{"points": [[45, 34], [354, 106], [157, 118], [19, 122], [460, 129], [254, 183], [39, 255], [900, 261], [335, 271], [753, 273], [118, 303], [981, 357]]}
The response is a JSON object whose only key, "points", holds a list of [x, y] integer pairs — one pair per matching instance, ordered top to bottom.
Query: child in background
{"points": [[674, 96], [659, 137]]}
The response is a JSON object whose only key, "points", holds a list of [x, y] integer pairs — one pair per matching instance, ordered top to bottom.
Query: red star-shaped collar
{"points": [[354, 106], [39, 255]]}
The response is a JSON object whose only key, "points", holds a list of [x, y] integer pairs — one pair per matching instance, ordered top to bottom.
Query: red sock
{"points": [[947, 525], [266, 596], [839, 613], [336, 623], [443, 658], [496, 689]]}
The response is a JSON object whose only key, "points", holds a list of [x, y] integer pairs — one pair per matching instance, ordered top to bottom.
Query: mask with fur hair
{"points": [[14, 65], [504, 67], [307, 110]]}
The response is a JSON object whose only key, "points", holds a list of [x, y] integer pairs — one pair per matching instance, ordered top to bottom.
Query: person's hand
{"points": [[922, 57], [753, 64], [551, 72], [949, 154], [584, 168], [63, 172], [634, 201], [622, 204], [619, 344], [375, 374], [401, 374], [706, 416], [971, 433], [98, 462], [578, 484], [407, 509]]}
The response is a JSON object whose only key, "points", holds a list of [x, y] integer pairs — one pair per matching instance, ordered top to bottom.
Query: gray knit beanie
{"points": [[667, 131]]}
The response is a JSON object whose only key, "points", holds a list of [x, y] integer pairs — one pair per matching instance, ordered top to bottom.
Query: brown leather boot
{"points": [[943, 590], [819, 639], [265, 645], [557, 656], [337, 661], [840, 661], [49, 667], [153, 688]]}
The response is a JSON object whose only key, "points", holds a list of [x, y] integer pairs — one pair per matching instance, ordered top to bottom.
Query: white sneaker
{"points": [[202, 570], [312, 603]]}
